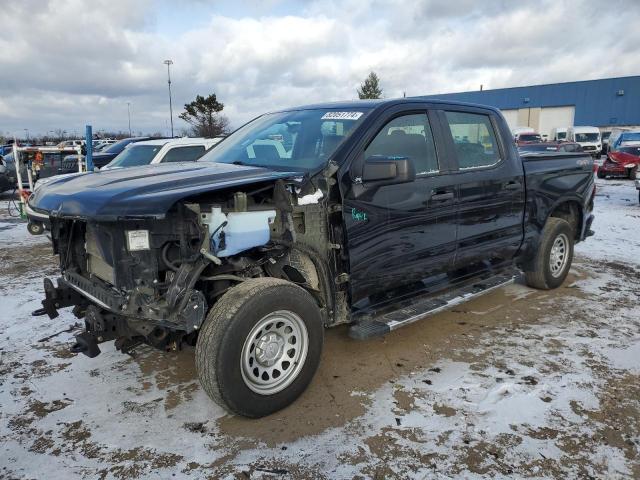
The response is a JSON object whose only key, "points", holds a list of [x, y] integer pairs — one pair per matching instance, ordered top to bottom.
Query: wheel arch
{"points": [[570, 210]]}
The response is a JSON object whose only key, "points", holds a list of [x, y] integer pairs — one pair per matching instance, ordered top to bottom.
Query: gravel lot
{"points": [[518, 383]]}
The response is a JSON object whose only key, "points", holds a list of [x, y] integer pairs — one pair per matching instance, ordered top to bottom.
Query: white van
{"points": [[558, 134], [588, 137], [150, 152]]}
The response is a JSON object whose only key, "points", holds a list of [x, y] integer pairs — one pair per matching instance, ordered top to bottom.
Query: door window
{"points": [[407, 136], [474, 139], [184, 154]]}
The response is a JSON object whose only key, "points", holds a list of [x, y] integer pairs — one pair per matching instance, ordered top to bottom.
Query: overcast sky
{"points": [[66, 63]]}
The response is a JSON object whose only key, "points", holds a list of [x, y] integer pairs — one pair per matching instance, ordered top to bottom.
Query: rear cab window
{"points": [[474, 139]]}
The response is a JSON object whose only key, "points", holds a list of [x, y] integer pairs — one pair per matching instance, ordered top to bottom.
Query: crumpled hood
{"points": [[146, 191]]}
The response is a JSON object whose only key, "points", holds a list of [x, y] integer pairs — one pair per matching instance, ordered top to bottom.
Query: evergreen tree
{"points": [[370, 88]]}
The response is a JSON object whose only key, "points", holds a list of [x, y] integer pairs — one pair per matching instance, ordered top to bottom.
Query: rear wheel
{"points": [[601, 173], [554, 256], [259, 346]]}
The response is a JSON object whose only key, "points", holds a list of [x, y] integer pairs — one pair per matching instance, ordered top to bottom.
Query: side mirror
{"points": [[383, 170]]}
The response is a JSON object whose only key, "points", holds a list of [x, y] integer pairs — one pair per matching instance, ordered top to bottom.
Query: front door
{"points": [[399, 235]]}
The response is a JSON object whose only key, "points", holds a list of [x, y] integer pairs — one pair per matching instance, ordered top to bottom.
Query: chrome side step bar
{"points": [[386, 322]]}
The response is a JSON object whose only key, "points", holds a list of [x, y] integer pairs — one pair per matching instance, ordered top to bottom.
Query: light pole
{"points": [[168, 63], [129, 116]]}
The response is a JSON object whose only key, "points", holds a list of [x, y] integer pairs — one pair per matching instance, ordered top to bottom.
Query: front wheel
{"points": [[601, 173], [633, 173], [554, 255], [259, 346]]}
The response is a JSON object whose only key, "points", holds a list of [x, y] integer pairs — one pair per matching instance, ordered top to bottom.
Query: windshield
{"points": [[561, 135], [606, 135], [527, 137], [587, 137], [301, 140], [118, 146], [134, 156]]}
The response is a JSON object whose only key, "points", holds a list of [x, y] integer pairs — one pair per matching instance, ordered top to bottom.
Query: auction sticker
{"points": [[341, 116]]}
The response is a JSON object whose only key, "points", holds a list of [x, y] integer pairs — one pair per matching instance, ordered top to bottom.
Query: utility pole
{"points": [[168, 63], [129, 116]]}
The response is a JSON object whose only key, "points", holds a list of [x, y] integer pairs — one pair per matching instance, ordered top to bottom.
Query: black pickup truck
{"points": [[370, 213]]}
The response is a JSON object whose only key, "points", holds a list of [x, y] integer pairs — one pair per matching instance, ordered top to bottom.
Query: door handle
{"points": [[512, 185], [442, 196]]}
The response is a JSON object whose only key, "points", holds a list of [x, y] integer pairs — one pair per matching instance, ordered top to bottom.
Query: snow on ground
{"points": [[518, 383]]}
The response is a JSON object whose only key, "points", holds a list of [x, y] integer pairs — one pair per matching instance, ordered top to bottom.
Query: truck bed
{"points": [[552, 178]]}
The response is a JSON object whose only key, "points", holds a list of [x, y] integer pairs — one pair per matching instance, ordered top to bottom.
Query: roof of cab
{"points": [[355, 104]]}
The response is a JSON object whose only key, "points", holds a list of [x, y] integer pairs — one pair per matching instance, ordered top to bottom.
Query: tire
{"points": [[633, 173], [601, 174], [35, 228], [553, 258], [227, 358]]}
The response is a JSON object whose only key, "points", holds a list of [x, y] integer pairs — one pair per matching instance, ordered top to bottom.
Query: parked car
{"points": [[558, 134], [621, 137], [526, 138], [588, 138], [550, 147], [6, 149], [162, 151], [100, 159], [623, 162], [7, 174], [8, 179], [366, 213]]}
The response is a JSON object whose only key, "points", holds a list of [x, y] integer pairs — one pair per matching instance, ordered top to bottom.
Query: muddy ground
{"points": [[517, 383]]}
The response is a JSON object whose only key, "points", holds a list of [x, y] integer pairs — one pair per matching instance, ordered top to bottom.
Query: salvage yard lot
{"points": [[516, 383]]}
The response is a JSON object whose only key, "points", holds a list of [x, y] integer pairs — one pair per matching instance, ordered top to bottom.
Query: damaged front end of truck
{"points": [[150, 278]]}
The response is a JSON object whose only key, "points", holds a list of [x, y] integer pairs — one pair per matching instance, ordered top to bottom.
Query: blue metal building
{"points": [[602, 103]]}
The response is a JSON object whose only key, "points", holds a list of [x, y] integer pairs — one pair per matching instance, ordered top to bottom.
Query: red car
{"points": [[623, 162]]}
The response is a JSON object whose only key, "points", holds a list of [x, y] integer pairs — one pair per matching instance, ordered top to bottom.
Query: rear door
{"points": [[491, 190], [400, 235]]}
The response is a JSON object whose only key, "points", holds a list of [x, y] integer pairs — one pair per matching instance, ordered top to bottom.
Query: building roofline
{"points": [[573, 82]]}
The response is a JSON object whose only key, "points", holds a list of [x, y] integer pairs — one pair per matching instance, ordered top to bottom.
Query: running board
{"points": [[386, 322]]}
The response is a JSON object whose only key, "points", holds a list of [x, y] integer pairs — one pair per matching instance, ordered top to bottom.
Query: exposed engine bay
{"points": [[153, 281]]}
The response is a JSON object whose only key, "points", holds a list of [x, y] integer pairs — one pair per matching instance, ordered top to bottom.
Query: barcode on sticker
{"points": [[341, 116]]}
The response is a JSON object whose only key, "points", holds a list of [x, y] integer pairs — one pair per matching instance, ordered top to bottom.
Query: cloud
{"points": [[64, 63]]}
